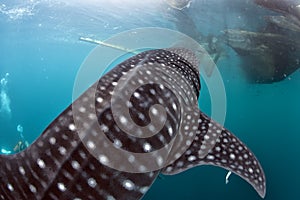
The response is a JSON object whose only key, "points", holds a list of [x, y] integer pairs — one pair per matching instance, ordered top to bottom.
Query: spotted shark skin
{"points": [[228, 152], [59, 166]]}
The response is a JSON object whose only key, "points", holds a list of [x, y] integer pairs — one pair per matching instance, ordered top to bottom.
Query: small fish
{"points": [[67, 160], [227, 177]]}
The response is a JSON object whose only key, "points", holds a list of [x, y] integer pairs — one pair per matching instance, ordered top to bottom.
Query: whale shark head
{"points": [[138, 120]]}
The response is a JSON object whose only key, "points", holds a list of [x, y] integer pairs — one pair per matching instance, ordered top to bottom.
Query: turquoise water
{"points": [[41, 53]]}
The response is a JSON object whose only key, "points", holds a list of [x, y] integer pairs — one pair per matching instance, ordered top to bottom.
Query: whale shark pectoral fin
{"points": [[214, 145]]}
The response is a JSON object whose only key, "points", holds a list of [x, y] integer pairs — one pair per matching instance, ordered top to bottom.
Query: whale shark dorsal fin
{"points": [[214, 145]]}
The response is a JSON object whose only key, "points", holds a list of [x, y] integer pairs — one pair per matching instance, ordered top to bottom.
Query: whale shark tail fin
{"points": [[214, 145]]}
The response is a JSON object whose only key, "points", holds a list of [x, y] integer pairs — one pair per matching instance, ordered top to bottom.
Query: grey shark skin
{"points": [[289, 7], [59, 166]]}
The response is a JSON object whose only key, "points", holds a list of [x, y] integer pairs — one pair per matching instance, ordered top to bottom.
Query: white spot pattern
{"points": [[227, 152], [58, 162], [41, 163], [61, 187]]}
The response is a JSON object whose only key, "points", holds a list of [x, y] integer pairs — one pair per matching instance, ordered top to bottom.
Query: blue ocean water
{"points": [[41, 53]]}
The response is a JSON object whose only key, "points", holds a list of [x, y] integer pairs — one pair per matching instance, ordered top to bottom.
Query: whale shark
{"points": [[73, 158]]}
